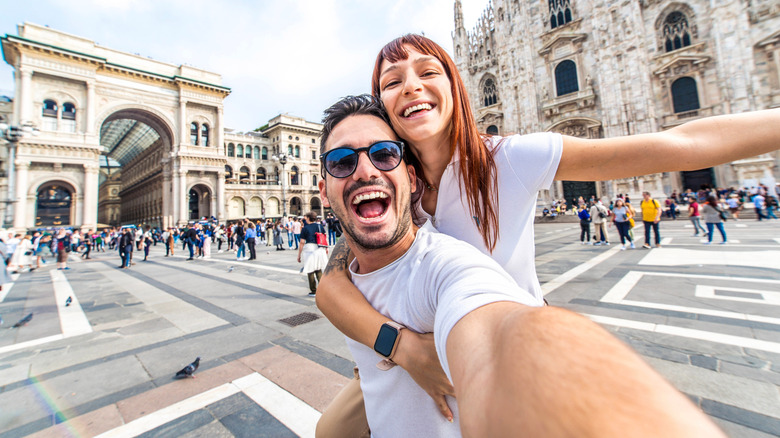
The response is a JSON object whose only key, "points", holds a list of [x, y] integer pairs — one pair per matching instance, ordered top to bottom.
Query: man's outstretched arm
{"points": [[548, 372]]}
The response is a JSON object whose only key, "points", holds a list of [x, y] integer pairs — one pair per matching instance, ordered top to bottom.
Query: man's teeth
{"points": [[422, 106], [366, 196]]}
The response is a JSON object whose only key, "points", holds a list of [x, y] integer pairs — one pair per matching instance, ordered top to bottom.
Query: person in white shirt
{"points": [[515, 365]]}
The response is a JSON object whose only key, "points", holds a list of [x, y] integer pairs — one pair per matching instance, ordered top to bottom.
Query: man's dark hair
{"points": [[364, 104]]}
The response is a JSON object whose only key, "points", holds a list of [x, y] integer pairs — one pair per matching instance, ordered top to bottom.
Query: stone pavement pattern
{"points": [[706, 317]]}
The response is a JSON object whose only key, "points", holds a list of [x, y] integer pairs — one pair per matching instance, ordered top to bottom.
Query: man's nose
{"points": [[365, 169]]}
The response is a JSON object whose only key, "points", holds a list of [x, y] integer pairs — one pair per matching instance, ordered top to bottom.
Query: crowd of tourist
{"points": [[713, 206]]}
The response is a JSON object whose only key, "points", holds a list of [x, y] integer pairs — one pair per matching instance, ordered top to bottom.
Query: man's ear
{"points": [[412, 177], [323, 193]]}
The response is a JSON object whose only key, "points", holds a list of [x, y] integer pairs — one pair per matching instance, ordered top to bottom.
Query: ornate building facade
{"points": [[611, 68], [129, 140]]}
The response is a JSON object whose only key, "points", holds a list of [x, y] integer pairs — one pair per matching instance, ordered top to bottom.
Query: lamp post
{"points": [[13, 134], [282, 159]]}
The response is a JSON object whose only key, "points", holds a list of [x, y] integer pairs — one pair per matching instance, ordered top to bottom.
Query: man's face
{"points": [[646, 196], [372, 205]]}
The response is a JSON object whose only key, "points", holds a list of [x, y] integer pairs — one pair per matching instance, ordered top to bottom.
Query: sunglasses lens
{"points": [[385, 155], [341, 162]]}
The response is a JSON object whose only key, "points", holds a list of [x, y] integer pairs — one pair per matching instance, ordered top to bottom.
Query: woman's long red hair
{"points": [[477, 165]]}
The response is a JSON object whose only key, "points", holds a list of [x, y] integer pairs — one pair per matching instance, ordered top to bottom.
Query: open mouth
{"points": [[417, 109], [371, 206]]}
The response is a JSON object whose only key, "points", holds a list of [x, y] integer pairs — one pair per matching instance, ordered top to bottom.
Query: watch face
{"points": [[385, 340]]}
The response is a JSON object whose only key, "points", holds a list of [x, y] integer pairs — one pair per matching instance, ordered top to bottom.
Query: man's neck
{"points": [[373, 260]]}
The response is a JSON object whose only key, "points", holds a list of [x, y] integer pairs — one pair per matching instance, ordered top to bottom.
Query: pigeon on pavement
{"points": [[231, 269], [68, 301], [23, 321], [189, 369]]}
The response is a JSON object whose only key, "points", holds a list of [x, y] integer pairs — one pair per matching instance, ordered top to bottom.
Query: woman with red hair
{"points": [[483, 189]]}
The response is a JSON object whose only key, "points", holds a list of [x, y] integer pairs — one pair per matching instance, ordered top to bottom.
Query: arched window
{"points": [[560, 12], [676, 32], [566, 78], [489, 93], [685, 97], [49, 115], [69, 117], [492, 130], [194, 133], [204, 134], [289, 150], [240, 151], [248, 151], [231, 152], [257, 152], [297, 152], [265, 153], [229, 175], [244, 175], [276, 175], [295, 177], [261, 178], [314, 180]]}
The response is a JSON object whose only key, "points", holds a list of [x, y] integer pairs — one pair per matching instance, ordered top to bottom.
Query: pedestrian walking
{"points": [[651, 215], [695, 215], [599, 216], [713, 217], [622, 218], [584, 224], [278, 230], [251, 240], [314, 256]]}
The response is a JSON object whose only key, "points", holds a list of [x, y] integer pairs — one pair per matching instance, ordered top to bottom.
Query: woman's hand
{"points": [[416, 353]]}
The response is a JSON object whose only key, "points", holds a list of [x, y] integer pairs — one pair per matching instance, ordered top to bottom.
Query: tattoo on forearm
{"points": [[340, 258]]}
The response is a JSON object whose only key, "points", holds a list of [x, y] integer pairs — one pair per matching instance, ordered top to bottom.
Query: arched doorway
{"points": [[134, 144], [199, 202], [54, 205], [296, 207]]}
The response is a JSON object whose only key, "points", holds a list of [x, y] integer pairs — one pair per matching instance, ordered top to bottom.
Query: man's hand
{"points": [[416, 354]]}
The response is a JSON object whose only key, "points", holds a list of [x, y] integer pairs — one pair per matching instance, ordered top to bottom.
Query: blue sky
{"points": [[283, 56]]}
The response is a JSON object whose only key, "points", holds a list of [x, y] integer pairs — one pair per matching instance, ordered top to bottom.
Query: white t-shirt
{"points": [[525, 165], [296, 226], [429, 289]]}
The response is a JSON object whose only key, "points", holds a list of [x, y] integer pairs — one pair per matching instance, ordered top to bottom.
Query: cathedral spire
{"points": [[458, 14]]}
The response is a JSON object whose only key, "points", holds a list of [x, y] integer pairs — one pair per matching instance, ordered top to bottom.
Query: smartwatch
{"points": [[387, 342]]}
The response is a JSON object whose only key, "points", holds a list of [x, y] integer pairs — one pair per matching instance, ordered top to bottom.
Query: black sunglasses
{"points": [[341, 162]]}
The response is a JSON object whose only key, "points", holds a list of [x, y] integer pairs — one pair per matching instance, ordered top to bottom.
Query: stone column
{"points": [[25, 95], [91, 103], [183, 125], [219, 137], [90, 195], [183, 197], [220, 197], [175, 203], [167, 204], [20, 212]]}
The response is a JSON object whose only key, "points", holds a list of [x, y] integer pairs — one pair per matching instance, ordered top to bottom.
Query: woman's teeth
{"points": [[422, 106]]}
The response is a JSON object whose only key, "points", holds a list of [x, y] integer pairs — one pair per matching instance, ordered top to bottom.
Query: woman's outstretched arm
{"points": [[694, 145], [347, 309]]}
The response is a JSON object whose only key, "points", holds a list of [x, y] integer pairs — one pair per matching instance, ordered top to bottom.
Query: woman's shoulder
{"points": [[537, 139]]}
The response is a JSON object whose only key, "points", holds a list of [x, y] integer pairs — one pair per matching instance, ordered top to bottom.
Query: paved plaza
{"points": [[706, 317]]}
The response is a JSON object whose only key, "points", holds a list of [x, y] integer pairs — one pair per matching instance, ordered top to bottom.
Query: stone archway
{"points": [[136, 143]]}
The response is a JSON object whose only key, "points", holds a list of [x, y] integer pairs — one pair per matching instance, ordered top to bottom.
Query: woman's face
{"points": [[418, 96]]}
